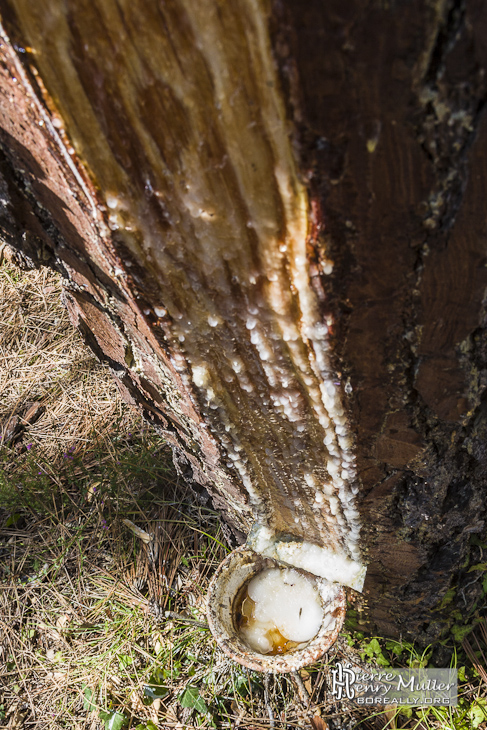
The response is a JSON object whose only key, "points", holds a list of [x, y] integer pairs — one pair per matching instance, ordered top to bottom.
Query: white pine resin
{"points": [[320, 561], [286, 601]]}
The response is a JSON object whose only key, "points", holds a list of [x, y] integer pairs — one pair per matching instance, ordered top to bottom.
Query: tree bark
{"points": [[271, 224]]}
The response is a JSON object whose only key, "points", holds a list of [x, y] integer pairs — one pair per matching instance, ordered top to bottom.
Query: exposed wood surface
{"points": [[176, 112], [197, 174]]}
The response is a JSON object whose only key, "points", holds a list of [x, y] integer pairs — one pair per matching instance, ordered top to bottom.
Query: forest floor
{"points": [[105, 559]]}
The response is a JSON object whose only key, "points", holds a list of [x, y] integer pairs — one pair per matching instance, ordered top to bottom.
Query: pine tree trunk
{"points": [[271, 223]]}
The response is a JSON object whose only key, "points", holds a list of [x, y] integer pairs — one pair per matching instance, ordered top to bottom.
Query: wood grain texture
{"points": [[175, 111], [197, 165]]}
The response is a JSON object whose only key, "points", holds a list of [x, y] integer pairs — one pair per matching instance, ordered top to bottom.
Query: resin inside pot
{"points": [[278, 611], [232, 616]]}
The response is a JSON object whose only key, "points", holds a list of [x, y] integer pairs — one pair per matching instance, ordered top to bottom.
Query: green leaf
{"points": [[13, 519], [478, 566], [484, 584], [447, 598], [460, 632], [374, 647], [395, 647], [374, 651], [124, 660], [461, 674], [158, 675], [242, 686], [155, 691], [191, 698], [87, 699], [404, 710], [478, 711], [113, 720], [149, 725]]}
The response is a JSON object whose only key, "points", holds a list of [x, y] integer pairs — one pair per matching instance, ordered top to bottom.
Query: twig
{"points": [[180, 617], [301, 689], [267, 703]]}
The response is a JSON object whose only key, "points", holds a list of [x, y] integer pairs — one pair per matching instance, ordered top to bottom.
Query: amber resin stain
{"points": [[175, 111], [244, 615]]}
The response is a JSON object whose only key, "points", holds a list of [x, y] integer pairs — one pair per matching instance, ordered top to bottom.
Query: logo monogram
{"points": [[342, 680]]}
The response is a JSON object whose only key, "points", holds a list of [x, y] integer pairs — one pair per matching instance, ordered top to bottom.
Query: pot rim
{"points": [[251, 563]]}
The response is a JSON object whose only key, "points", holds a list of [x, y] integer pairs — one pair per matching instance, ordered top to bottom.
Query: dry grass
{"points": [[42, 359], [105, 559], [82, 607], [92, 617]]}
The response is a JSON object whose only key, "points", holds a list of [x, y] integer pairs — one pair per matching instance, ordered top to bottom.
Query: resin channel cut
{"points": [[278, 611]]}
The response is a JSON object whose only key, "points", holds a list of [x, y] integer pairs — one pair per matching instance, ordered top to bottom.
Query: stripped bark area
{"points": [[269, 218]]}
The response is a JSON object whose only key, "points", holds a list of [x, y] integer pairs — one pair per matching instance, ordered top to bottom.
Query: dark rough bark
{"points": [[387, 105], [392, 118]]}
